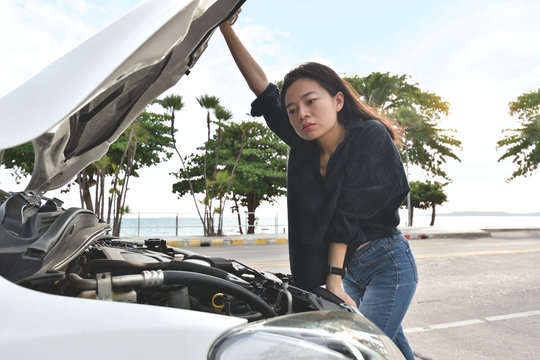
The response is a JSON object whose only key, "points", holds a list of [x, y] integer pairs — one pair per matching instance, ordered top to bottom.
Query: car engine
{"points": [[69, 253]]}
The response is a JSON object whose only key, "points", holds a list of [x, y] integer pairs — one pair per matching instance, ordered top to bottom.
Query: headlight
{"points": [[314, 335]]}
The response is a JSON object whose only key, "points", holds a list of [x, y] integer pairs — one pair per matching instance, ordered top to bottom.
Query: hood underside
{"points": [[85, 100]]}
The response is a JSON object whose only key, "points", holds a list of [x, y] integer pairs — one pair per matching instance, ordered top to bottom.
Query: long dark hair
{"points": [[353, 107]]}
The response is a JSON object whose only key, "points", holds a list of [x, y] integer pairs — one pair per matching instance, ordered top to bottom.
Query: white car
{"points": [[69, 290]]}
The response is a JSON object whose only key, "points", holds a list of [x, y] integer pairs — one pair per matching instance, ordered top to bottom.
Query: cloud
{"points": [[34, 33], [478, 58]]}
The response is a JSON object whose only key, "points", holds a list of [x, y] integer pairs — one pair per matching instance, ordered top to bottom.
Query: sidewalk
{"points": [[433, 232], [262, 239]]}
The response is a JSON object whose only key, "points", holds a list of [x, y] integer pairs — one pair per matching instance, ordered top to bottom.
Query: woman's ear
{"points": [[339, 100]]}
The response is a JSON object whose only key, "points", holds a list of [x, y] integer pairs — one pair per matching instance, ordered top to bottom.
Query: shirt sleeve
{"points": [[268, 105], [374, 182]]}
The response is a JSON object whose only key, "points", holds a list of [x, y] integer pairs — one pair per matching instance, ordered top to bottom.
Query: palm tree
{"points": [[173, 103], [210, 103], [417, 112], [137, 133], [223, 179]]}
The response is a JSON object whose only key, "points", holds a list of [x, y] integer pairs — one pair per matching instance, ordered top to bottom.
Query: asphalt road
{"points": [[477, 298]]}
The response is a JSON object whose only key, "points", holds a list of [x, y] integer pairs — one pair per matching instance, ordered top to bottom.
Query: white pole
{"points": [[409, 208], [139, 225]]}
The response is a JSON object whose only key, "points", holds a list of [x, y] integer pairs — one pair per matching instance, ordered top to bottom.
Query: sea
{"points": [[477, 221], [152, 225], [168, 226]]}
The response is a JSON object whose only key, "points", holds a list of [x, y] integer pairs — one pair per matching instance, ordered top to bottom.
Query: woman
{"points": [[345, 183]]}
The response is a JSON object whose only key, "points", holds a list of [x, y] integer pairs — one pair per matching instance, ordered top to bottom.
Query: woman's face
{"points": [[312, 111]]}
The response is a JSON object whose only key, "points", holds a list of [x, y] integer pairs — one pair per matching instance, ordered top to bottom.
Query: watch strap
{"points": [[337, 271]]}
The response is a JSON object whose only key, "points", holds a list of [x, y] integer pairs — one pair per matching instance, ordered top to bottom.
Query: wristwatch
{"points": [[337, 271]]}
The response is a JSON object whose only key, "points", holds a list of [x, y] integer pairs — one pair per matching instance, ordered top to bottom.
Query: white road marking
{"points": [[475, 253], [513, 316], [471, 322], [456, 324], [416, 330]]}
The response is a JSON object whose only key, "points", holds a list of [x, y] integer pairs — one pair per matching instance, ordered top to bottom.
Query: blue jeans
{"points": [[382, 278]]}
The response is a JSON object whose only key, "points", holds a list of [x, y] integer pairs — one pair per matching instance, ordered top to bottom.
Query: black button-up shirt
{"points": [[356, 202]]}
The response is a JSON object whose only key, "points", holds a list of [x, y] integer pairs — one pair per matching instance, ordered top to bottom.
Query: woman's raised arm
{"points": [[250, 69]]}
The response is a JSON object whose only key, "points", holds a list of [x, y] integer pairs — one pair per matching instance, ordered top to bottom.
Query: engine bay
{"points": [[69, 253]]}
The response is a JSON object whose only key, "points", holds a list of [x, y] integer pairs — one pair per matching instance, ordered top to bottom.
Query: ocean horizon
{"points": [[160, 225]]}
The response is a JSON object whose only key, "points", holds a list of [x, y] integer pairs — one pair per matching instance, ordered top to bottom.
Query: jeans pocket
{"points": [[370, 256]]}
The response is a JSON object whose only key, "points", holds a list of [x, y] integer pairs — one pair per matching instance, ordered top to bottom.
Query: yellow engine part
{"points": [[218, 302]]}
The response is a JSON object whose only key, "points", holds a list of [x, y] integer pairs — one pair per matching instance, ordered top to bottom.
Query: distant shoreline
{"points": [[483, 213]]}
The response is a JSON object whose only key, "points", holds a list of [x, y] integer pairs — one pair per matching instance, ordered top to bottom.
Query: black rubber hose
{"points": [[105, 265], [80, 283], [217, 284]]}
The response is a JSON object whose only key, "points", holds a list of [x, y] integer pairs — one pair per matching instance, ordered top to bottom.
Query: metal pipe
{"points": [[151, 278]]}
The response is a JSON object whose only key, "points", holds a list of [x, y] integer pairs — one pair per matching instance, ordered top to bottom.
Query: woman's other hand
{"points": [[333, 284]]}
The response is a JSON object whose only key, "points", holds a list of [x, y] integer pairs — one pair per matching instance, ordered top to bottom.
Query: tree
{"points": [[174, 103], [417, 112], [144, 143], [523, 144], [20, 159], [101, 167], [261, 171], [207, 172], [215, 180], [427, 195], [415, 196], [435, 196], [117, 202]]}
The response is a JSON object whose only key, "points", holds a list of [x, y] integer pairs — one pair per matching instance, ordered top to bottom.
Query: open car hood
{"points": [[82, 102]]}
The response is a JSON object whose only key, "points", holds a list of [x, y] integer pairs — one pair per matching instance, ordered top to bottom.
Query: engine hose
{"points": [[105, 265], [148, 278], [80, 283], [217, 284]]}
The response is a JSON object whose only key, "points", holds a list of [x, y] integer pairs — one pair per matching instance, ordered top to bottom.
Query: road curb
{"points": [[511, 229], [422, 233], [449, 234], [415, 236], [269, 240], [233, 241]]}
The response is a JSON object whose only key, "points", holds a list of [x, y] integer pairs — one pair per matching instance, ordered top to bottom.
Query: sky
{"points": [[477, 55]]}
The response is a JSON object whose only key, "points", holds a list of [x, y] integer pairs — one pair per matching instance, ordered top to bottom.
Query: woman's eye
{"points": [[311, 101], [292, 111]]}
